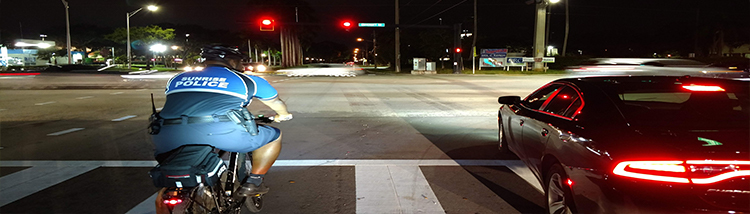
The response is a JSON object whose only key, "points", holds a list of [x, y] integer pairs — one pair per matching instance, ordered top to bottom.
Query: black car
{"points": [[638, 144]]}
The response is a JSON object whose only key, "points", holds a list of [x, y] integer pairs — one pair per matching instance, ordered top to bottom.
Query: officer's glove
{"points": [[282, 117]]}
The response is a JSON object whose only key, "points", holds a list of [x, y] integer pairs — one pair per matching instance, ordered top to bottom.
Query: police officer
{"points": [[202, 107]]}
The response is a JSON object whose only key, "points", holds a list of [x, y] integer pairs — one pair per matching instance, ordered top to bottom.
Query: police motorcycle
{"points": [[196, 179]]}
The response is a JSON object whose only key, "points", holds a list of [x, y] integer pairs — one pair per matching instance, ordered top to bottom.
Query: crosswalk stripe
{"points": [[309, 162], [29, 181], [382, 185], [394, 189], [145, 207]]}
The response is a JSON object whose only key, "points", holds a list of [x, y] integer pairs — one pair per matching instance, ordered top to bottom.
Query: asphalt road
{"points": [[77, 143]]}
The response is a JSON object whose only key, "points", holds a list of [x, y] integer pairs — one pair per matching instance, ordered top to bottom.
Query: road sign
{"points": [[371, 24], [544, 59]]}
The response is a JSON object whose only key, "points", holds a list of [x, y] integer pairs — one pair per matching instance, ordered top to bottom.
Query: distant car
{"points": [[653, 66], [255, 67], [323, 69], [640, 144]]}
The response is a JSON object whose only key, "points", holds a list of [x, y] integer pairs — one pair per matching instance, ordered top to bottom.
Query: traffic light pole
{"points": [[456, 44], [374, 52]]}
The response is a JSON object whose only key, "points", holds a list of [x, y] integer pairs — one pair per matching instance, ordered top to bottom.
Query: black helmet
{"points": [[220, 52]]}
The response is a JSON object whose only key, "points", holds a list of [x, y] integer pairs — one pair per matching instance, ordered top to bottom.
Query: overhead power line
{"points": [[425, 10], [441, 12]]}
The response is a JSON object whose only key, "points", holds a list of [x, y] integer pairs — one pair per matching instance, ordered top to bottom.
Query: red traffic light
{"points": [[267, 24], [346, 25], [458, 50]]}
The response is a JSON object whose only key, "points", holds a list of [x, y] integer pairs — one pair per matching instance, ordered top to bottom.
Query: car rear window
{"points": [[663, 101]]}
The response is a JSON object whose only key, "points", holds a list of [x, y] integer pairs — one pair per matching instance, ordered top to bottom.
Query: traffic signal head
{"points": [[267, 24], [346, 25], [458, 50]]}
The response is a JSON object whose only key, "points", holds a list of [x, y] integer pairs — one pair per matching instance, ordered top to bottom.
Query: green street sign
{"points": [[372, 24]]}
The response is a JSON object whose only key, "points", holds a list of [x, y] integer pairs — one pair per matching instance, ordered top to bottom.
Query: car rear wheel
{"points": [[559, 197]]}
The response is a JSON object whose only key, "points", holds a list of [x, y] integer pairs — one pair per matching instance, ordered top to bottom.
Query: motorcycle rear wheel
{"points": [[201, 200], [254, 203]]}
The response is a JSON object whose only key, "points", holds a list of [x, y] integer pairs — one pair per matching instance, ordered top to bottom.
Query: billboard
{"points": [[494, 53], [493, 58], [492, 62]]}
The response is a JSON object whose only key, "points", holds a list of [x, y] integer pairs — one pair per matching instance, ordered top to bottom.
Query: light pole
{"points": [[128, 15], [67, 27], [539, 31], [374, 47], [366, 49]]}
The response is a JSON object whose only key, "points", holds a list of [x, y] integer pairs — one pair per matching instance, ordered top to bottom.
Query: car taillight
{"points": [[694, 87], [669, 171], [691, 171], [707, 171]]}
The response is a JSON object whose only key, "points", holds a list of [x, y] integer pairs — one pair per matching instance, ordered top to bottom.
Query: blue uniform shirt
{"points": [[213, 90]]}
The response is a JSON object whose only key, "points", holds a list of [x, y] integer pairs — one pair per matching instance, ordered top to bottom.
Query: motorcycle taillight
{"points": [[172, 201]]}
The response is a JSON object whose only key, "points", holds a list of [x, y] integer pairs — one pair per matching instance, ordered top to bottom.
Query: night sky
{"points": [[595, 25]]}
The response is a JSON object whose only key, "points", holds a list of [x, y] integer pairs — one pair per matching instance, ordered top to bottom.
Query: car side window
{"points": [[537, 99], [566, 99], [573, 109]]}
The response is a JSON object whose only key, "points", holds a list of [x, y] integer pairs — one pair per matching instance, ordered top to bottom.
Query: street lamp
{"points": [[128, 15], [157, 48], [367, 52]]}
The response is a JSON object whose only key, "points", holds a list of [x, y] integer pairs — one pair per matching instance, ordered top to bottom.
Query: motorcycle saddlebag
{"points": [[188, 166]]}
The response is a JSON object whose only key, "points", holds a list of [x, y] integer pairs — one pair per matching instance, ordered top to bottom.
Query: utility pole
{"points": [[541, 13], [567, 27], [398, 42], [474, 42]]}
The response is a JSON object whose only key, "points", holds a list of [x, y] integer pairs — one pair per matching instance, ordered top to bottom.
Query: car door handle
{"points": [[520, 123], [545, 132]]}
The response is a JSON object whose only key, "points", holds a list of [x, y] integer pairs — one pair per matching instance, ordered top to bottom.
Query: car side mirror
{"points": [[509, 100]]}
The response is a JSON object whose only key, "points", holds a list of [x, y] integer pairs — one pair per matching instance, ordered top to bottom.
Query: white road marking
{"points": [[152, 76], [143, 89], [116, 93], [86, 97], [45, 103], [2, 109], [124, 118], [65, 131], [524, 172], [29, 181], [382, 185], [394, 189], [145, 207]]}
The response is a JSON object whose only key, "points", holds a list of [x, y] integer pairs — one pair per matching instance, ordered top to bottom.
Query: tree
{"points": [[146, 35], [140, 37]]}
